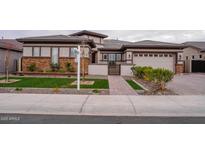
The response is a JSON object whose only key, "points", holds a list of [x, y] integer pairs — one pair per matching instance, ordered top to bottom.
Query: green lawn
{"points": [[29, 82], [134, 85]]}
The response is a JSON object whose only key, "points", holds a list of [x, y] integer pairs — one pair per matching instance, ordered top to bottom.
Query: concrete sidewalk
{"points": [[122, 105]]}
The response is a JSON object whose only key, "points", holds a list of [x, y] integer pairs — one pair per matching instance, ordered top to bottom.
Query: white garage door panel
{"points": [[155, 62]]}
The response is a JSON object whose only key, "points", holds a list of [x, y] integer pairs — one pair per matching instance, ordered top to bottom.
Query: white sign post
{"points": [[77, 55], [78, 73]]}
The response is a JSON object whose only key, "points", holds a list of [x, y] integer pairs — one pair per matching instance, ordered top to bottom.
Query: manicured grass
{"points": [[29, 82], [134, 85]]}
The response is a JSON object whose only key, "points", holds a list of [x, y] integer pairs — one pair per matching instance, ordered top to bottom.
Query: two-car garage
{"points": [[155, 60]]}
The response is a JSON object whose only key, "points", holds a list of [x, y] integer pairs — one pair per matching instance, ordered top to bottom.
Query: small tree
{"points": [[7, 61]]}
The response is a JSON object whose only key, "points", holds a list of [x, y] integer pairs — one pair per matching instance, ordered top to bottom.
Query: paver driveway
{"points": [[188, 84]]}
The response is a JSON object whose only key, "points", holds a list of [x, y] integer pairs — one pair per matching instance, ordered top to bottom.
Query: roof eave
{"points": [[90, 42]]}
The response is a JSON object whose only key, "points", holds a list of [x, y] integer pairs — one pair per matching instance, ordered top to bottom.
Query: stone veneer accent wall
{"points": [[63, 61], [43, 63], [179, 68]]}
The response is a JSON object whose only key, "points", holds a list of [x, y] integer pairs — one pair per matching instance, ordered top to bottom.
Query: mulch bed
{"points": [[152, 88]]}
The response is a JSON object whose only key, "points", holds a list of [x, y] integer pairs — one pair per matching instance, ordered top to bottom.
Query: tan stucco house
{"points": [[99, 55], [194, 57]]}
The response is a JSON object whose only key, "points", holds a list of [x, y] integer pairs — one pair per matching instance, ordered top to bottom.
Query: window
{"points": [[27, 51], [36, 51], [45, 52], [64, 52], [72, 52], [136, 55], [140, 55], [145, 55], [150, 55], [155, 55], [161, 55], [165, 55], [54, 56], [172, 56], [200, 56], [105, 57], [111, 57], [119, 57], [187, 57], [193, 57]]}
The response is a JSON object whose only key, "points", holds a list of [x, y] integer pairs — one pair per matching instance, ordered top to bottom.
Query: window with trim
{"points": [[36, 51], [45, 51], [27, 52], [64, 52], [72, 52], [105, 57], [119, 57], [193, 57]]}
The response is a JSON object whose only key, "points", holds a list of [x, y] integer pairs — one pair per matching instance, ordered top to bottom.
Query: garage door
{"points": [[155, 60], [198, 66]]}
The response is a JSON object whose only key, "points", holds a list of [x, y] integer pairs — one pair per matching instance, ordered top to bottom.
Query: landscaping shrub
{"points": [[32, 67], [55, 67], [69, 67], [138, 71], [142, 72], [148, 73], [159, 75], [162, 76]]}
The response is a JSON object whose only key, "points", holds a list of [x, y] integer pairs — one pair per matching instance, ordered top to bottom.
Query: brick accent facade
{"points": [[44, 63], [179, 68]]}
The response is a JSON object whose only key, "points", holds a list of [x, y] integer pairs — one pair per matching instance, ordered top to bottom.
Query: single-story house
{"points": [[13, 50], [99, 55], [194, 57]]}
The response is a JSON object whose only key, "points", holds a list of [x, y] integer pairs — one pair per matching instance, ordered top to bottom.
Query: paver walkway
{"points": [[118, 86]]}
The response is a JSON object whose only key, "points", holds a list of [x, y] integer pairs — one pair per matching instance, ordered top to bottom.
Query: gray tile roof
{"points": [[86, 32], [57, 39], [11, 44], [112, 44], [154, 44], [199, 45]]}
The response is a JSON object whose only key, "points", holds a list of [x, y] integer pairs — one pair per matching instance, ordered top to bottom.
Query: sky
{"points": [[175, 36]]}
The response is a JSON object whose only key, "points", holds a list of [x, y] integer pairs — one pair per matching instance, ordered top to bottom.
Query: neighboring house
{"points": [[13, 49], [103, 56], [194, 57]]}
